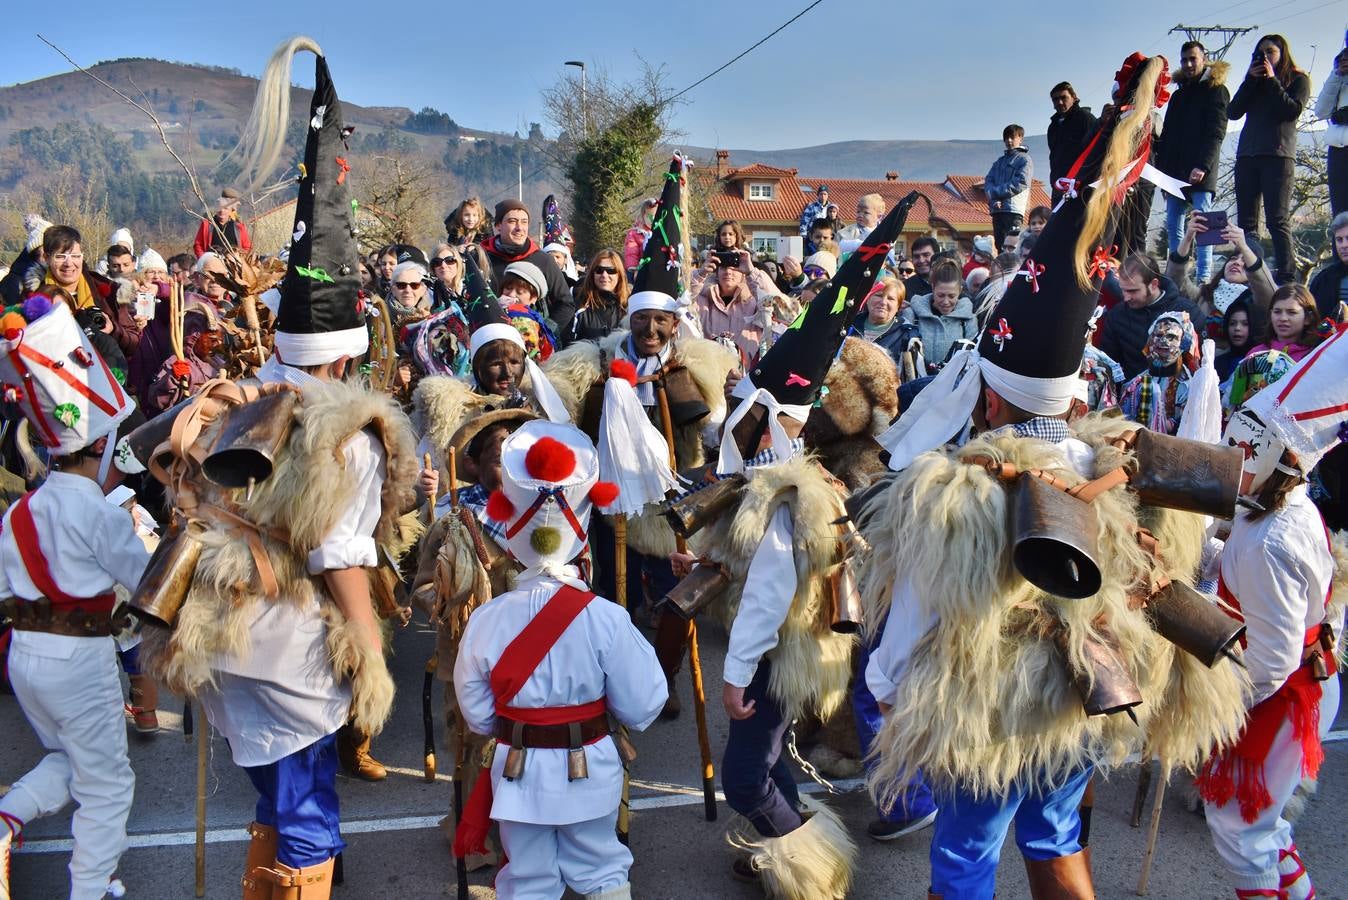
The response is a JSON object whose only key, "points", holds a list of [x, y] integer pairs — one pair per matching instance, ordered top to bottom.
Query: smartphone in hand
{"points": [[1215, 220]]}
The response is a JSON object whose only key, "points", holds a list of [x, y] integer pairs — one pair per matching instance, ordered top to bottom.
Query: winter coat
{"points": [[1334, 97], [1270, 112], [1195, 126], [1067, 136], [1007, 183], [208, 239], [633, 244], [12, 285], [1325, 287], [111, 300], [557, 306], [739, 319], [594, 322], [1123, 331], [939, 333]]}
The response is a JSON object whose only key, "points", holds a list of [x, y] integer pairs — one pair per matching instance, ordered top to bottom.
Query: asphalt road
{"points": [[396, 849]]}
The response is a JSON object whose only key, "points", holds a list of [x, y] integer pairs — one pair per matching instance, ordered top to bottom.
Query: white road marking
{"points": [[677, 795]]}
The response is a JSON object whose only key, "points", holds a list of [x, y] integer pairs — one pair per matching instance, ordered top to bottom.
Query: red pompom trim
{"points": [[621, 368], [549, 460], [603, 493], [499, 507]]}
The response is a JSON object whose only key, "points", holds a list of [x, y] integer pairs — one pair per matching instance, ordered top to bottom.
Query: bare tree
{"points": [[402, 200]]}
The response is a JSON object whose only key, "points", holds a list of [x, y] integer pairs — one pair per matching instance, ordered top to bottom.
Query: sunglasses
{"points": [[443, 261], [605, 270], [908, 270], [814, 272], [406, 285]]}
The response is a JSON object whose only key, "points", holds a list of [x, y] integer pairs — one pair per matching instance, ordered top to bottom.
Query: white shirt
{"points": [[89, 544], [1280, 569], [769, 588], [909, 620], [601, 654], [282, 694]]}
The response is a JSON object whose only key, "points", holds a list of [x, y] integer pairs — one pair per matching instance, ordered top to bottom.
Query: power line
{"points": [[1303, 12], [736, 59]]}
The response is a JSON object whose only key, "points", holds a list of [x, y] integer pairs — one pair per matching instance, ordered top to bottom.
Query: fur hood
{"points": [[1008, 708]]}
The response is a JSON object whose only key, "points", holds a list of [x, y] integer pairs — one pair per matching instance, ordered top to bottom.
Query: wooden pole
{"points": [[620, 588], [694, 657], [202, 740], [1149, 855]]}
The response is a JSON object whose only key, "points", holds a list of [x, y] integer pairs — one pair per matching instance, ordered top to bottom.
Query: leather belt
{"points": [[92, 618], [551, 737]]}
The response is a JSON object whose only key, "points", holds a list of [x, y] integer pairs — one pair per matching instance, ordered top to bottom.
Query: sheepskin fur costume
{"points": [[579, 372], [860, 400], [303, 499], [811, 664], [987, 698], [814, 862]]}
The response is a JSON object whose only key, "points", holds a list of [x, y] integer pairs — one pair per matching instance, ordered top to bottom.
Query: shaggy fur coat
{"points": [[302, 501], [987, 699]]}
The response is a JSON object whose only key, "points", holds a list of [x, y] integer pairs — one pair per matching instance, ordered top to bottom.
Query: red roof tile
{"points": [[759, 170]]}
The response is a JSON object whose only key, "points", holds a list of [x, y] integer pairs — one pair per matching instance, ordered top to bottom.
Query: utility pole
{"points": [[1228, 35], [584, 111]]}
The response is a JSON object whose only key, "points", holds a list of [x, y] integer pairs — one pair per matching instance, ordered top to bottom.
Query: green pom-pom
{"points": [[67, 414], [545, 541]]}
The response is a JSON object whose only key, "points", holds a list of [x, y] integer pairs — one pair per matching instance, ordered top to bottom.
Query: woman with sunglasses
{"points": [[447, 277], [408, 297], [601, 299]]}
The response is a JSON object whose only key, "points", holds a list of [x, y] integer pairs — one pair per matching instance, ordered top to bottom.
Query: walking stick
{"points": [[620, 588], [694, 657], [427, 719], [188, 724], [460, 733], [202, 738], [1140, 798], [1084, 811], [1149, 855]]}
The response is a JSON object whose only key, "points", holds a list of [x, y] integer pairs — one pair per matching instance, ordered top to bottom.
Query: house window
{"points": [[764, 191], [764, 242]]}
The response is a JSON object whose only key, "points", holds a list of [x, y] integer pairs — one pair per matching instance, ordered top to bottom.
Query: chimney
{"points": [[722, 158], [891, 176]]}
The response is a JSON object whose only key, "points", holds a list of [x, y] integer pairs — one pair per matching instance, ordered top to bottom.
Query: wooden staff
{"points": [[434, 495], [620, 589], [694, 657], [428, 679], [460, 732], [201, 811], [1149, 855]]}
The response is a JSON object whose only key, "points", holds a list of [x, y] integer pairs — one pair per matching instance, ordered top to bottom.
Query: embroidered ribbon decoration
{"points": [[342, 165], [869, 253], [673, 257], [1102, 261], [1031, 272], [316, 274], [841, 303], [1001, 334], [794, 379], [544, 493]]}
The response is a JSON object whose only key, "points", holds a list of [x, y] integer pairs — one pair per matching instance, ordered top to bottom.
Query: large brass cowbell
{"points": [[1055, 540]]}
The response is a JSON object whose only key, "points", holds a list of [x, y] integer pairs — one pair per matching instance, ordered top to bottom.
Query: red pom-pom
{"points": [[12, 334], [623, 369], [549, 460], [603, 493], [499, 507]]}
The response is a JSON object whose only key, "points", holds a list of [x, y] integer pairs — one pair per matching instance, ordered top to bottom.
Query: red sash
{"points": [[39, 570], [517, 663], [1239, 772]]}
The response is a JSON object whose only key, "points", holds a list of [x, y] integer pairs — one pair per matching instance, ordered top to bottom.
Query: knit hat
{"points": [[229, 198], [506, 206], [35, 227], [122, 238], [983, 245], [150, 259], [824, 260], [568, 267], [528, 273], [659, 278], [320, 318], [1030, 353], [788, 378], [549, 483]]}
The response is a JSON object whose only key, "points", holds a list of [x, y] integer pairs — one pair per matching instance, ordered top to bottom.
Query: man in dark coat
{"points": [[1068, 132], [1191, 141], [511, 243], [1146, 294]]}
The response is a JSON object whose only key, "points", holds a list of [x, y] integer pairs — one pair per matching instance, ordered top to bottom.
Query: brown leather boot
{"points": [[144, 704], [353, 751], [261, 855], [1064, 878], [308, 883]]}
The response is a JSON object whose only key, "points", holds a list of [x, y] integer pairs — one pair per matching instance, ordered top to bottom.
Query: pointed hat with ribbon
{"points": [[659, 278]]}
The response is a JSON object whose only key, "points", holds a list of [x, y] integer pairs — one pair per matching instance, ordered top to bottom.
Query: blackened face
{"points": [[652, 330], [499, 368]]}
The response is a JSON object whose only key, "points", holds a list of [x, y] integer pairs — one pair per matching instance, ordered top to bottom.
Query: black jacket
{"points": [[1270, 115], [1195, 126], [1068, 134], [1325, 288], [558, 305], [594, 322], [1123, 332]]}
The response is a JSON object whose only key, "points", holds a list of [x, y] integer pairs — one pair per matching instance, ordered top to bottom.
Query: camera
{"points": [[1258, 56], [727, 259], [91, 319]]}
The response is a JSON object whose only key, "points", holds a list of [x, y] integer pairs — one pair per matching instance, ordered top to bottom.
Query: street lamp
{"points": [[584, 113]]}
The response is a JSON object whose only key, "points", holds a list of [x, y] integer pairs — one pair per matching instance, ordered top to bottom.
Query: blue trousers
{"points": [[1174, 228], [130, 660], [757, 781], [297, 795], [915, 800], [967, 840]]}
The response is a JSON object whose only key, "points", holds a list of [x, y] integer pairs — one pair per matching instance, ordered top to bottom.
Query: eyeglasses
{"points": [[68, 257], [443, 261], [605, 270], [907, 270], [815, 272], [406, 285]]}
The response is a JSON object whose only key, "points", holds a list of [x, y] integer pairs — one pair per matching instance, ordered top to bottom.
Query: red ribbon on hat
{"points": [[342, 165], [869, 253], [1103, 262], [1031, 272], [1001, 334], [544, 493]]}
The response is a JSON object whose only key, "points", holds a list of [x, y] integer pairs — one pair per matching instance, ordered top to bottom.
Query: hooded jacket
{"points": [[1334, 97], [1195, 126], [1007, 183], [939, 333]]}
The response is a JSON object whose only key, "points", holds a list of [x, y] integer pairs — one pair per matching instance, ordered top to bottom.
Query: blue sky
{"points": [[864, 69]]}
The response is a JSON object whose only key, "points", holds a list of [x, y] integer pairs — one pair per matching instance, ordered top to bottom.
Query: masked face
{"points": [[1166, 341], [1261, 448]]}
